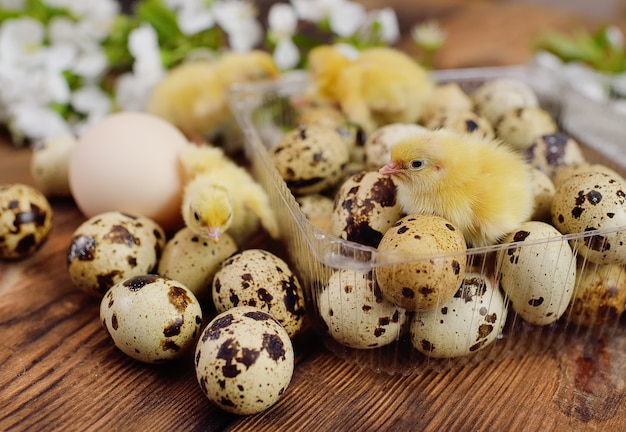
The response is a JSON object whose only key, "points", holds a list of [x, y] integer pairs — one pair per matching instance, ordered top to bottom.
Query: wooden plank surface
{"points": [[58, 370]]}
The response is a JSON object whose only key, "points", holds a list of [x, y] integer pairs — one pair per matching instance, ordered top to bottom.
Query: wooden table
{"points": [[59, 371]]}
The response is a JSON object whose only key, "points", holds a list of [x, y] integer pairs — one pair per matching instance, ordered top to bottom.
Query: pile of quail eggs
{"points": [[422, 281]]}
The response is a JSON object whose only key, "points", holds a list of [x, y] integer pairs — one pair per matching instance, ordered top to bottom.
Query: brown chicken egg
{"points": [[365, 207], [25, 220], [425, 282]]}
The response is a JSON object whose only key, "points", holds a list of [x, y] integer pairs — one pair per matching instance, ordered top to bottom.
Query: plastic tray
{"points": [[264, 113]]}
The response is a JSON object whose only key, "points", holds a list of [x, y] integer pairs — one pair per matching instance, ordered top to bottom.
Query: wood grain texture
{"points": [[59, 371]]}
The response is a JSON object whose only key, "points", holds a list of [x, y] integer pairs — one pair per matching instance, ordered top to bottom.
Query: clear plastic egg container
{"points": [[491, 329]]}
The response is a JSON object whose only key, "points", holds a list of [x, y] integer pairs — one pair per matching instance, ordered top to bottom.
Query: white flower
{"points": [[13, 5], [314, 10], [95, 16], [193, 16], [345, 18], [238, 19], [282, 20], [388, 21], [428, 35], [615, 36], [21, 41], [348, 51], [286, 54], [91, 101], [36, 122]]}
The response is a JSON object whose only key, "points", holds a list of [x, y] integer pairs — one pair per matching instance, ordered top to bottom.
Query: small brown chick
{"points": [[380, 86], [192, 95], [480, 185], [221, 196]]}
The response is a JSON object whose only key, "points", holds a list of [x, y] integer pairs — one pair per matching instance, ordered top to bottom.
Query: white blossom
{"points": [[314, 10], [193, 16], [345, 18], [238, 19], [282, 20], [388, 21], [428, 35], [615, 36], [21, 41], [286, 54], [36, 122]]}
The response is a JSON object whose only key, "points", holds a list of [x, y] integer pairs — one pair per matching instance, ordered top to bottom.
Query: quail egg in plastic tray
{"points": [[522, 297]]}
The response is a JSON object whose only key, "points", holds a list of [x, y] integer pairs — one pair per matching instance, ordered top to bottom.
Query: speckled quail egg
{"points": [[497, 96], [446, 98], [463, 122], [521, 126], [378, 144], [550, 152], [310, 159], [49, 165], [566, 171], [543, 192], [593, 201], [365, 207], [318, 209], [25, 220], [111, 247], [193, 260], [430, 262], [538, 274], [256, 277], [600, 295], [355, 312], [151, 318], [469, 321], [244, 360]]}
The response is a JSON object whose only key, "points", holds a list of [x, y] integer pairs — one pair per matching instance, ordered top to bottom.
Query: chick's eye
{"points": [[416, 164], [196, 216]]}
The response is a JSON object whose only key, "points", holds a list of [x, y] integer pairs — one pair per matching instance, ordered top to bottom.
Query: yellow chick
{"points": [[379, 86], [192, 95], [480, 185], [221, 196]]}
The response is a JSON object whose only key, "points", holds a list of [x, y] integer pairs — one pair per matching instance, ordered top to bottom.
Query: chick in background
{"points": [[376, 86], [192, 95], [481, 186], [221, 196]]}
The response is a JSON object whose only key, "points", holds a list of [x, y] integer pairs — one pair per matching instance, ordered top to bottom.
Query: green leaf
{"points": [[156, 13]]}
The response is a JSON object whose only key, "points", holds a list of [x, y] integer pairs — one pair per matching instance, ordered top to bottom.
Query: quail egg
{"points": [[498, 96], [446, 98], [462, 122], [520, 126], [378, 144], [552, 151], [310, 159], [49, 165], [543, 192], [593, 201], [365, 207], [25, 220], [111, 247], [193, 260], [431, 262], [539, 273], [255, 277], [355, 312], [151, 318], [469, 321], [244, 360]]}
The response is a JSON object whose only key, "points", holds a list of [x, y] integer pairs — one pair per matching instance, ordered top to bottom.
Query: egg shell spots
{"points": [[497, 96], [462, 122], [520, 126], [549, 152], [310, 159], [128, 162], [593, 201], [365, 207], [318, 210], [25, 220], [111, 247], [193, 260], [538, 276], [258, 278], [421, 284], [600, 296], [355, 312], [151, 318], [468, 322], [244, 360]]}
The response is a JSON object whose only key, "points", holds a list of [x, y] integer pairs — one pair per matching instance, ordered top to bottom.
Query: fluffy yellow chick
{"points": [[379, 86], [191, 96], [480, 185], [221, 196]]}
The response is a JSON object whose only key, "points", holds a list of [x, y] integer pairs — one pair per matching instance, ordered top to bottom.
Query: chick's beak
{"points": [[391, 168], [214, 233]]}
